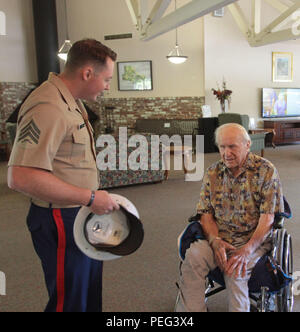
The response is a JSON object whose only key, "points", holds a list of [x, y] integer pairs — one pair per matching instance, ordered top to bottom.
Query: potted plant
{"points": [[222, 95]]}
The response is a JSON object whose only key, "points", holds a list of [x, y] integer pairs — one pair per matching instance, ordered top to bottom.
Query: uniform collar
{"points": [[65, 92]]}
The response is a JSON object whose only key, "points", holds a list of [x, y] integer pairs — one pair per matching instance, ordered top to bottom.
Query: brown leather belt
{"points": [[48, 205]]}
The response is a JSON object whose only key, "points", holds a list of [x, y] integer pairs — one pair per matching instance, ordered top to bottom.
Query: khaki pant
{"points": [[199, 261]]}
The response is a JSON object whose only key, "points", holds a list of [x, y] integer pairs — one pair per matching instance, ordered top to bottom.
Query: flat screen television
{"points": [[280, 102]]}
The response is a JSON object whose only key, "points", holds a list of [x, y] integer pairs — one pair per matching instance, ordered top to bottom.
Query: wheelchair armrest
{"points": [[197, 217], [279, 217], [278, 223], [191, 233]]}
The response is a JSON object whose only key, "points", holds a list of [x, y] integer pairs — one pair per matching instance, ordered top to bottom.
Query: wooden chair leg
{"points": [[5, 148], [7, 152], [166, 175]]}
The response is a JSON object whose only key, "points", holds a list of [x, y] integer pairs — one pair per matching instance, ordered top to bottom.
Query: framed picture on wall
{"points": [[282, 67], [135, 76]]}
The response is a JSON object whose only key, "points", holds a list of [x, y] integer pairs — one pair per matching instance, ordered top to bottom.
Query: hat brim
{"points": [[127, 247]]}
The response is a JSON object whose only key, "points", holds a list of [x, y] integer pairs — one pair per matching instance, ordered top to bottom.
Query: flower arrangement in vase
{"points": [[222, 95]]}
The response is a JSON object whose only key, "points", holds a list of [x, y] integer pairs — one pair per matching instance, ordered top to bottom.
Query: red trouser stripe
{"points": [[61, 250]]}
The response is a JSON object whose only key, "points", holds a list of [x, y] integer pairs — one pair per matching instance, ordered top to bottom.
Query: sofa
{"points": [[167, 126], [258, 140], [116, 177]]}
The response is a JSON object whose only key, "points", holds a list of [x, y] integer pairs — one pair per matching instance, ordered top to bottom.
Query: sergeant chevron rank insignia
{"points": [[29, 135]]}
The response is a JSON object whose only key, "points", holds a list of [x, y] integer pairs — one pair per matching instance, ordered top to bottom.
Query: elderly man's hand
{"points": [[220, 249], [237, 263]]}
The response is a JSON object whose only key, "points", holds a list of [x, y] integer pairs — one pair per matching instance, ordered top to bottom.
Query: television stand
{"points": [[286, 131]]}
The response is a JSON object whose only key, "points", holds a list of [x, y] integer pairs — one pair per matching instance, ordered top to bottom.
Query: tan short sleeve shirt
{"points": [[53, 135], [237, 203]]}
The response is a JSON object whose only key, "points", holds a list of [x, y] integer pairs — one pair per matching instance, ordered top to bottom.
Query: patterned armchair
{"points": [[258, 140]]}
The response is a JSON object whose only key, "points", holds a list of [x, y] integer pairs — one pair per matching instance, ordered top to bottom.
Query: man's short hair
{"points": [[89, 51], [243, 131]]}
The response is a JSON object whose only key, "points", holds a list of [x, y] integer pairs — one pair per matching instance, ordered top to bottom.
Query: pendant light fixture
{"points": [[64, 50], [175, 56]]}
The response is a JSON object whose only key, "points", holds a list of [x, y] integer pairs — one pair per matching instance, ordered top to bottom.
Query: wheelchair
{"points": [[270, 284]]}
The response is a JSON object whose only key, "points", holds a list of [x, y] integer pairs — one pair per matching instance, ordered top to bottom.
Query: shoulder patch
{"points": [[29, 134]]}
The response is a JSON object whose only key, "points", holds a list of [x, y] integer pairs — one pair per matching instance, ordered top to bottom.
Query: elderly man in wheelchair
{"points": [[239, 199]]}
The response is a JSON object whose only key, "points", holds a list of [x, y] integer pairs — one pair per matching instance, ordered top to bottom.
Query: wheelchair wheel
{"points": [[284, 257]]}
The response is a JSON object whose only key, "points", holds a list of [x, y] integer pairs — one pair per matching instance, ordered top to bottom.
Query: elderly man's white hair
{"points": [[243, 131]]}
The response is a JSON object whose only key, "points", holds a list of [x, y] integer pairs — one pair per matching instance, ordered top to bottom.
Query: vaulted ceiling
{"points": [[285, 26]]}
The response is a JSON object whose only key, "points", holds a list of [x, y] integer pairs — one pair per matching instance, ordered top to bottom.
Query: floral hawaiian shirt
{"points": [[237, 203]]}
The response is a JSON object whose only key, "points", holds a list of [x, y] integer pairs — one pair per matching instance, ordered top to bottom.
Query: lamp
{"points": [[64, 50], [174, 56]]}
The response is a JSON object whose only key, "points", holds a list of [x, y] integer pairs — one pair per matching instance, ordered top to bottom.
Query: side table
{"points": [[186, 153]]}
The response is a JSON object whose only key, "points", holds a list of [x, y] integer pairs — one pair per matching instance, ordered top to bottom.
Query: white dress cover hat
{"points": [[109, 236]]}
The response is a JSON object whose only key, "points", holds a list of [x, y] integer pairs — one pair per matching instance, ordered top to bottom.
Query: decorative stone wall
{"points": [[11, 95], [126, 110]]}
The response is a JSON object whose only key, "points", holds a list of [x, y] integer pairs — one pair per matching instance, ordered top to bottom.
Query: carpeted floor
{"points": [[144, 281]]}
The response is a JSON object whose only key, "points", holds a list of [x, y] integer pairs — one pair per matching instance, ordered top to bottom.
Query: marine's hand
{"points": [[103, 203]]}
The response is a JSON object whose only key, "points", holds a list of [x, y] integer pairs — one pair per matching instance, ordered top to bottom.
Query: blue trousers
{"points": [[73, 280]]}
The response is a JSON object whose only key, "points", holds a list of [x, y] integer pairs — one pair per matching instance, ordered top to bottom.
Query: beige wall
{"points": [[94, 18], [17, 48], [226, 52], [246, 69]]}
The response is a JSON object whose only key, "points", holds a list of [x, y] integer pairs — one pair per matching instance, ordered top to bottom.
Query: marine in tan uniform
{"points": [[53, 161]]}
